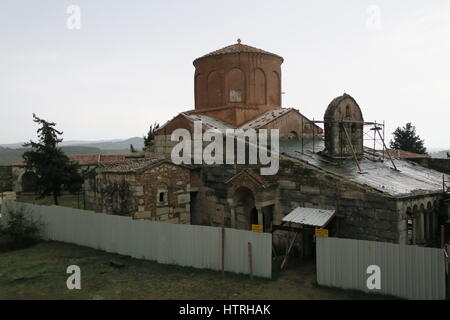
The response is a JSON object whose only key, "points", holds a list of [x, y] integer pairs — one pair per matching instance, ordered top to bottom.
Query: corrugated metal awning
{"points": [[310, 216]]}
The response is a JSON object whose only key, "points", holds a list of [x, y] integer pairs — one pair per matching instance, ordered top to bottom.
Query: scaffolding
{"points": [[378, 138], [445, 186]]}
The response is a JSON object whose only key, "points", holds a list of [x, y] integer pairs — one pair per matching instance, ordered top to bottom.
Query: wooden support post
{"points": [[303, 133], [383, 137], [314, 138], [375, 143], [351, 147], [388, 153], [443, 237], [223, 250], [288, 251], [250, 260]]}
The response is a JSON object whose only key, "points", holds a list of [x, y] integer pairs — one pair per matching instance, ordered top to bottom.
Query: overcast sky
{"points": [[130, 64]]}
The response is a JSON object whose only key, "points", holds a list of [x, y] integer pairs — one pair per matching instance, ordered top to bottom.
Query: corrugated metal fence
{"points": [[184, 245], [409, 272]]}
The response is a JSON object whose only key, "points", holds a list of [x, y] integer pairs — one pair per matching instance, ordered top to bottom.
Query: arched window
{"points": [[235, 84], [260, 87], [275, 89], [214, 90]]}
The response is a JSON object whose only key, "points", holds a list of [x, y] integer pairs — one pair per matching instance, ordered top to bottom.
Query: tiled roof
{"points": [[238, 48], [269, 116], [265, 118], [208, 122], [402, 154], [111, 158], [85, 159], [89, 159], [131, 165], [263, 182]]}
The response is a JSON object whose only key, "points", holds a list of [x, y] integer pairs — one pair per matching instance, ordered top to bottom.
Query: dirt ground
{"points": [[39, 272]]}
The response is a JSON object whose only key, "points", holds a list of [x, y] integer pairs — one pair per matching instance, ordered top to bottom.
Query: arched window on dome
{"points": [[235, 84], [260, 87], [214, 89], [275, 89]]}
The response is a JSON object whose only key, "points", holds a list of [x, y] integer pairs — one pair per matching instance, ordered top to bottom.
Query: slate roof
{"points": [[411, 179]]}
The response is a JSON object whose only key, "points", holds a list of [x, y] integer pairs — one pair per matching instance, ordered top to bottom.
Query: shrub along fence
{"points": [[185, 245]]}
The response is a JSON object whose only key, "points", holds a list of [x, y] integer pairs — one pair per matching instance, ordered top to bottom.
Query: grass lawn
{"points": [[64, 201], [39, 272]]}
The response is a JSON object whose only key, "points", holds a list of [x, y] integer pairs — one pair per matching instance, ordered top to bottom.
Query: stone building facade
{"points": [[144, 189], [371, 199]]}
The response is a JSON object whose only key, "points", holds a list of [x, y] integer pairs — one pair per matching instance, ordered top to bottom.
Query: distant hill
{"points": [[137, 142], [107, 145], [441, 154], [9, 156]]}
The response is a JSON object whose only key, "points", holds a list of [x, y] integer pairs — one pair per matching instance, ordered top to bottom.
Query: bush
{"points": [[18, 229]]}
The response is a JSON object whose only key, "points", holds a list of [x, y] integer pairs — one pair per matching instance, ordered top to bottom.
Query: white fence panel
{"points": [[184, 245], [409, 272]]}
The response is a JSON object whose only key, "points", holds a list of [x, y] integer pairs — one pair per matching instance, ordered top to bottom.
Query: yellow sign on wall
{"points": [[257, 228], [322, 233]]}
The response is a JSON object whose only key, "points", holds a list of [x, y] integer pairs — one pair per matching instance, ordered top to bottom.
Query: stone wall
{"points": [[110, 193], [160, 193], [163, 194], [362, 213]]}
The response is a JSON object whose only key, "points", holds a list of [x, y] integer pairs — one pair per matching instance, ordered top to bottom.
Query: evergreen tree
{"points": [[406, 139], [148, 140], [53, 168]]}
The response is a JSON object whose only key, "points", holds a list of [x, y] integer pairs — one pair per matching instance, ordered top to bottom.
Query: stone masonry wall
{"points": [[174, 182], [142, 196], [361, 212]]}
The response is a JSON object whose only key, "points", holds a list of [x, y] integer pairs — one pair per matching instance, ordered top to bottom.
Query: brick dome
{"points": [[238, 75]]}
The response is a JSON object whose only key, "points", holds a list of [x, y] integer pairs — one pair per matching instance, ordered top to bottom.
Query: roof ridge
{"points": [[238, 48]]}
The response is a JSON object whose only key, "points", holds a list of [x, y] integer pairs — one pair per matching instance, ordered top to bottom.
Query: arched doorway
{"points": [[245, 210]]}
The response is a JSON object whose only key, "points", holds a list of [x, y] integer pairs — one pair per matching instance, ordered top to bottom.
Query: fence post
{"points": [[223, 250], [250, 260]]}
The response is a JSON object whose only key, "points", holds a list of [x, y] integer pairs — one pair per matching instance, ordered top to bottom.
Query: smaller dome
{"points": [[238, 48], [330, 113]]}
